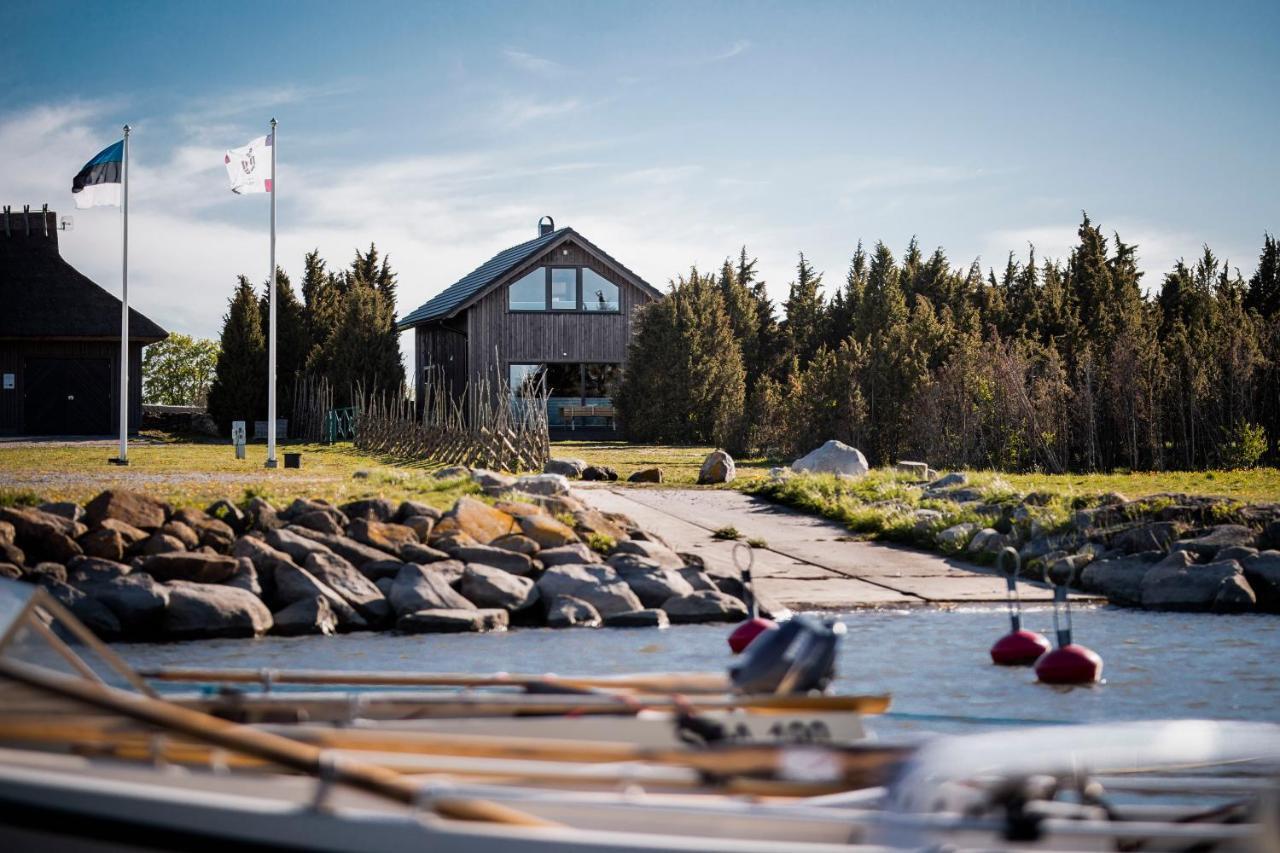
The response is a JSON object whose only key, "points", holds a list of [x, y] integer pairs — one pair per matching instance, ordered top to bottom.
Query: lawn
{"points": [[679, 463], [197, 473]]}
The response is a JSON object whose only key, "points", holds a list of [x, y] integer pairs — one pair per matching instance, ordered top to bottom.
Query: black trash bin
{"points": [[293, 460]]}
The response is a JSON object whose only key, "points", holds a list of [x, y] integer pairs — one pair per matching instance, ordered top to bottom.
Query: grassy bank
{"points": [[189, 473], [884, 504]]}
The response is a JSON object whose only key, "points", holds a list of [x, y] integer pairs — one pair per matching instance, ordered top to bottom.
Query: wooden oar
{"points": [[663, 682], [322, 706], [260, 744], [850, 765]]}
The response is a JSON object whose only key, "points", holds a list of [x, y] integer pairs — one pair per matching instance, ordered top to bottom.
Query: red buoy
{"points": [[748, 631], [1019, 648], [1069, 664]]}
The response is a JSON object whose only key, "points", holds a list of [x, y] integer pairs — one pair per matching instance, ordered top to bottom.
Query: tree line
{"points": [[342, 329], [1042, 365]]}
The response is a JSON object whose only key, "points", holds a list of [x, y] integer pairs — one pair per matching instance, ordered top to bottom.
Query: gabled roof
{"points": [[466, 290], [43, 296]]}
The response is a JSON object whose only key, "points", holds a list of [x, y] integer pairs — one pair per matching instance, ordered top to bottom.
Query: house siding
{"points": [[497, 337]]}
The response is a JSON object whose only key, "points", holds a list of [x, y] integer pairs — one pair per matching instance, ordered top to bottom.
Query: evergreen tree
{"points": [[1264, 287], [842, 314], [804, 329], [293, 339], [239, 386]]}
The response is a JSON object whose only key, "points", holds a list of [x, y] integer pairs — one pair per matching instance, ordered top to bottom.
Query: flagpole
{"points": [[271, 321], [123, 458]]}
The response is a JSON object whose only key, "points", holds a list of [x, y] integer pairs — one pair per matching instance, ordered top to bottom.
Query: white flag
{"points": [[249, 168]]}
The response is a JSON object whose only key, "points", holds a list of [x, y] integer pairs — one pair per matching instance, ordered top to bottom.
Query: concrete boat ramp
{"points": [[810, 563]]}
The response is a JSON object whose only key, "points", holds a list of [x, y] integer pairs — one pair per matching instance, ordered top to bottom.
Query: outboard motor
{"points": [[796, 657]]}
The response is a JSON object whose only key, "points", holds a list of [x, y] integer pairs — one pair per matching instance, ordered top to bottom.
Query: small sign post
{"points": [[237, 437]]}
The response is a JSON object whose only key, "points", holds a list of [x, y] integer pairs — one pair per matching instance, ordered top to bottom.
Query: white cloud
{"points": [[739, 47], [533, 63], [521, 110]]}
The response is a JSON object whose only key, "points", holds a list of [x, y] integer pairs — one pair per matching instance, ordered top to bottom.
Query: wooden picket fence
{"points": [[483, 427]]}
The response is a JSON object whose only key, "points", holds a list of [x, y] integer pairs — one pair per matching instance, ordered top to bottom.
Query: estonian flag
{"points": [[98, 183]]}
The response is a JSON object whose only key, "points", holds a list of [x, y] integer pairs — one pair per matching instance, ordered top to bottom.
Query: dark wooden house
{"points": [[556, 307], [60, 338]]}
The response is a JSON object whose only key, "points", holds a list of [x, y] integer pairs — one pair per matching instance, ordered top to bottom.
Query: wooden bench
{"points": [[572, 413]]}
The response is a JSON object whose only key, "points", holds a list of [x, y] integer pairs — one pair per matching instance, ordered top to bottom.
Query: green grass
{"points": [[679, 463], [195, 474], [882, 505], [727, 533]]}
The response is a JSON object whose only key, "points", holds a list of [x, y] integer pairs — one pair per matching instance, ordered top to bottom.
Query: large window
{"points": [[563, 289], [529, 293], [598, 293], [568, 384]]}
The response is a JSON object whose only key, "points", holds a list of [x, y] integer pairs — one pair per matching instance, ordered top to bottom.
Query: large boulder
{"points": [[834, 457], [718, 467], [571, 468], [599, 473], [646, 475], [492, 482], [543, 484], [301, 506], [133, 508], [372, 509], [410, 509], [69, 510], [229, 514], [261, 516], [318, 520], [478, 520], [421, 525], [211, 531], [546, 531], [7, 533], [42, 535], [131, 535], [1156, 536], [189, 538], [391, 538], [955, 538], [291, 541], [517, 542], [104, 543], [161, 543], [1207, 545], [656, 551], [356, 553], [567, 555], [264, 558], [499, 558], [195, 567], [89, 569], [380, 569], [1262, 571], [246, 577], [1120, 579], [294, 583], [651, 583], [486, 586], [599, 586], [1219, 587], [420, 588], [356, 589], [136, 600], [704, 606], [199, 611], [566, 611], [92, 613], [311, 615], [444, 621]]}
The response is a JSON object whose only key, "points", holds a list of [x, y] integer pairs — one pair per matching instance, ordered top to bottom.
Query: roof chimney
{"points": [[545, 226]]}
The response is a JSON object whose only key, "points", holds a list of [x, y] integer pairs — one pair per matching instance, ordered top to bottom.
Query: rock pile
{"points": [[132, 567]]}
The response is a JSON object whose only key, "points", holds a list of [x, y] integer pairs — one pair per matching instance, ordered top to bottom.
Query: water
{"points": [[933, 661]]}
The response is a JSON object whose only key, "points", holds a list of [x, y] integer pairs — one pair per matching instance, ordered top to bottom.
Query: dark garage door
{"points": [[67, 396]]}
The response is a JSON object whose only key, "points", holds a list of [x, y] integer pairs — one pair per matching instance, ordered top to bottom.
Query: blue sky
{"points": [[669, 133]]}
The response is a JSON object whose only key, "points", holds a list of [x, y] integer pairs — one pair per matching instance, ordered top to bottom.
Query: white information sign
{"points": [[8, 382]]}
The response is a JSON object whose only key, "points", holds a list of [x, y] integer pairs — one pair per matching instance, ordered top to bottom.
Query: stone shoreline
{"points": [[134, 568]]}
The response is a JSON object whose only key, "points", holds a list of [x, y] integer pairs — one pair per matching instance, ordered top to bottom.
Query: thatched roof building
{"points": [[60, 338]]}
